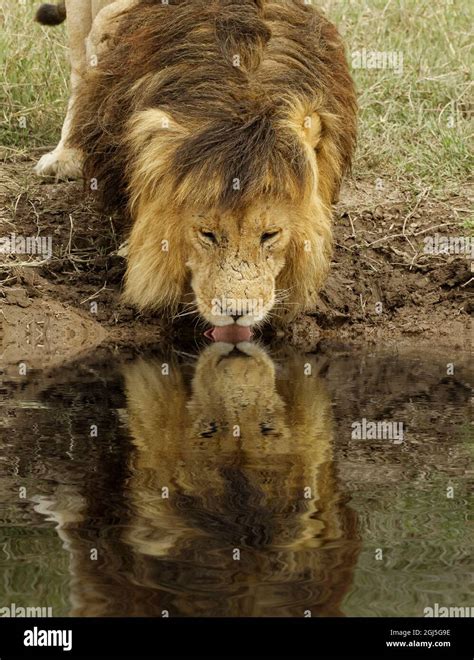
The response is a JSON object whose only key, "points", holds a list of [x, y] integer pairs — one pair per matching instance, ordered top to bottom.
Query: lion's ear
{"points": [[307, 125], [312, 129], [316, 131], [152, 138], [320, 138]]}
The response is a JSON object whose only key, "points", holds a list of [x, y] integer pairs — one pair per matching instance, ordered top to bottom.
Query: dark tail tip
{"points": [[48, 14]]}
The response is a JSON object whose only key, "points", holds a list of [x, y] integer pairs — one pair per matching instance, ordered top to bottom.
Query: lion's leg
{"points": [[88, 23], [64, 162]]}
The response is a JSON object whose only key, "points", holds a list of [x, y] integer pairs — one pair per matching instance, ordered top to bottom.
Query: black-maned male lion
{"points": [[224, 129]]}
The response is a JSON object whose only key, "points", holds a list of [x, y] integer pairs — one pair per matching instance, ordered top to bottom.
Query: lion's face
{"points": [[234, 259], [237, 387]]}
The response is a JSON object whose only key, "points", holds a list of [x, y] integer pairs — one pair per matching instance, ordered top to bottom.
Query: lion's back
{"points": [[223, 62]]}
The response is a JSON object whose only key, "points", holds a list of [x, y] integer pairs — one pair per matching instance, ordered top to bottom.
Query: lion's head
{"points": [[225, 129], [261, 249]]}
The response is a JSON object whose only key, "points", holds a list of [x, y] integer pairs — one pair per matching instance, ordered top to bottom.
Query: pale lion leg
{"points": [[89, 23], [64, 162]]}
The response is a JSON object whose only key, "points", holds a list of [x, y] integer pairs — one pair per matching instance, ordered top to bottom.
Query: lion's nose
{"points": [[236, 317]]}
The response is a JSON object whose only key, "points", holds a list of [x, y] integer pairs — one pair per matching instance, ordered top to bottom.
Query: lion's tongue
{"points": [[231, 334]]}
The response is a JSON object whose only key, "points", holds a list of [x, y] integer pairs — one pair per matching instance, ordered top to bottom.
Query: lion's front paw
{"points": [[61, 164]]}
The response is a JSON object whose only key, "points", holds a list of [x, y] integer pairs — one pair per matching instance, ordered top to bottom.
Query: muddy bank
{"points": [[382, 288]]}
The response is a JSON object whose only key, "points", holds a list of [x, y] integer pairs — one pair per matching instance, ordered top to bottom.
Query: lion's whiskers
{"points": [[180, 315]]}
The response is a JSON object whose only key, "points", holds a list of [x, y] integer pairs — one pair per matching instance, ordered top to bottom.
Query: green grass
{"points": [[34, 78], [414, 127], [469, 225]]}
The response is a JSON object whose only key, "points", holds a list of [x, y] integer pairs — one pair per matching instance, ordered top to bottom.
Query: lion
{"points": [[223, 130], [230, 504]]}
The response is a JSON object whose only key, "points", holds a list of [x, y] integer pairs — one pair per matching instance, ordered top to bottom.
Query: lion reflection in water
{"points": [[231, 503]]}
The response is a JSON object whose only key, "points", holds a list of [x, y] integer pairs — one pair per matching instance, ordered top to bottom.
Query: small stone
{"points": [[378, 213], [17, 297]]}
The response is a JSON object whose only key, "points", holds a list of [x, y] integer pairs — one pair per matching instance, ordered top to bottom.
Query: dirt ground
{"points": [[382, 287]]}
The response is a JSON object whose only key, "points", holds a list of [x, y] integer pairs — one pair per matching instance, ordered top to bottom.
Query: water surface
{"points": [[232, 483]]}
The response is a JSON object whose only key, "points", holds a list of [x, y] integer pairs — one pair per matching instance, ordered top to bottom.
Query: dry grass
{"points": [[33, 78], [415, 125]]}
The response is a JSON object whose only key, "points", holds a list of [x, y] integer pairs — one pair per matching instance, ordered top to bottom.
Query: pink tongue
{"points": [[231, 334]]}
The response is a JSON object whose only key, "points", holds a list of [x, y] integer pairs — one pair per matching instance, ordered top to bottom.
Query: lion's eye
{"points": [[208, 236], [268, 236], [210, 431]]}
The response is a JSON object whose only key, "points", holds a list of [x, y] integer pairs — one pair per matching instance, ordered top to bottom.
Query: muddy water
{"points": [[237, 484]]}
